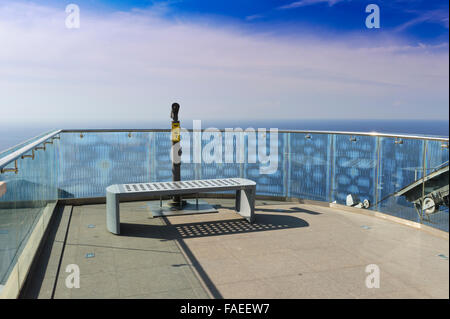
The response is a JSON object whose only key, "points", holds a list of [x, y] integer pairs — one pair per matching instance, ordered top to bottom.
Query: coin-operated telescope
{"points": [[176, 149], [177, 205]]}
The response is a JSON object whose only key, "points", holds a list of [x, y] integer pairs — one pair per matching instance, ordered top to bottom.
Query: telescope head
{"points": [[174, 113]]}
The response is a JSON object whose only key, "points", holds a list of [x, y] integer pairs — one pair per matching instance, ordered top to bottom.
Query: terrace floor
{"points": [[291, 251]]}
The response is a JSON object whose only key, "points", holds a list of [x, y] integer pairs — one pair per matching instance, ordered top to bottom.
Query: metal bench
{"points": [[245, 195]]}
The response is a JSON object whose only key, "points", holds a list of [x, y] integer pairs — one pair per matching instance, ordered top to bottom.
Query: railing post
{"points": [[152, 139], [287, 164], [331, 171], [377, 171], [424, 173]]}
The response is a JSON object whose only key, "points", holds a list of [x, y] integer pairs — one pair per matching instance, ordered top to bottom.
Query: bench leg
{"points": [[245, 203], [112, 213]]}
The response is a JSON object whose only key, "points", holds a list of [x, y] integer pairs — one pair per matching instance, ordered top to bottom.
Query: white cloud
{"points": [[304, 3], [434, 16], [254, 17], [132, 66]]}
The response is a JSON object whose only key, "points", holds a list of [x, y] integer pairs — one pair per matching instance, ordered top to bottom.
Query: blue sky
{"points": [[416, 20], [261, 59]]}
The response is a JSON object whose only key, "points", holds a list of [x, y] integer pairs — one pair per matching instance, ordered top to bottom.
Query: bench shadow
{"points": [[273, 210], [290, 210], [264, 222], [179, 232]]}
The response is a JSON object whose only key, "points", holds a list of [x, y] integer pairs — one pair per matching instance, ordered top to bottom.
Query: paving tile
{"points": [[251, 246], [209, 251], [329, 258], [129, 259], [93, 260], [283, 262], [226, 270], [434, 273], [352, 280], [144, 281], [97, 286], [306, 286], [253, 289], [433, 291], [185, 293]]}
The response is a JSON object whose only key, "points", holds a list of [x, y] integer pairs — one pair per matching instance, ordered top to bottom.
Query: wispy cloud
{"points": [[304, 3], [434, 16], [254, 17], [132, 66]]}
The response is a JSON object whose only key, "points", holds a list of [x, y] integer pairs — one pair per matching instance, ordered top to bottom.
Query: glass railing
{"points": [[13, 149], [376, 170], [402, 176], [28, 183]]}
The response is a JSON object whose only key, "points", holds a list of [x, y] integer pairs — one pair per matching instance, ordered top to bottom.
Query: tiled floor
{"points": [[292, 251]]}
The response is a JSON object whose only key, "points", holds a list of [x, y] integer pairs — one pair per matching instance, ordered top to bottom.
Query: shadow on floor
{"points": [[272, 210], [290, 210], [214, 228], [166, 232], [179, 232], [36, 275]]}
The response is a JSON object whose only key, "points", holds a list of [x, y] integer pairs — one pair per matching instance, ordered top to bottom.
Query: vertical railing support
{"points": [[287, 164], [152, 165], [331, 171], [377, 172], [424, 173]]}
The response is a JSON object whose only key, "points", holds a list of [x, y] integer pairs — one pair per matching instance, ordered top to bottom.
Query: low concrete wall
{"points": [[374, 213], [17, 277]]}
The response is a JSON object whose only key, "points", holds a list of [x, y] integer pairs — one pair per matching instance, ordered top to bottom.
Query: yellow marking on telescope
{"points": [[175, 131]]}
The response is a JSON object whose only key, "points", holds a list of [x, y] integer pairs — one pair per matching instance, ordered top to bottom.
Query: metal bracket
{"points": [[308, 136], [56, 137], [352, 139], [398, 141], [444, 145], [40, 147], [30, 156], [15, 169]]}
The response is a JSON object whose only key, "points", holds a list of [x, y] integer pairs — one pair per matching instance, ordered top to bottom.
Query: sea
{"points": [[14, 134]]}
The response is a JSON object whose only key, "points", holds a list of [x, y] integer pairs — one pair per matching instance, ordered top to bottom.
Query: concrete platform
{"points": [[292, 251]]}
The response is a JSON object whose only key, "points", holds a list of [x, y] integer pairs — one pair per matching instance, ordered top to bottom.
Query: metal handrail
{"points": [[405, 136], [15, 147], [25, 149], [16, 154]]}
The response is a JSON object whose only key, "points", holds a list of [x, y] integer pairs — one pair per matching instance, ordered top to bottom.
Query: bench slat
{"points": [[196, 185]]}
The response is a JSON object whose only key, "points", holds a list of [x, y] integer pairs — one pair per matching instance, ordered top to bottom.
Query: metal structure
{"points": [[308, 132], [176, 149], [23, 152], [322, 166], [435, 187], [245, 195]]}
